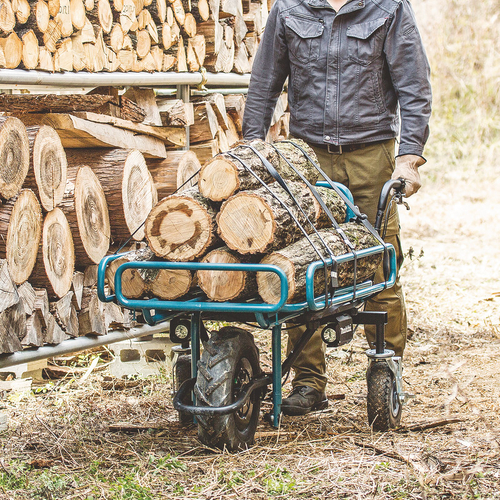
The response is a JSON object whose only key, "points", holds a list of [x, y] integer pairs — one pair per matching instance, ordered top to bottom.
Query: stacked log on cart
{"points": [[131, 35], [238, 214]]}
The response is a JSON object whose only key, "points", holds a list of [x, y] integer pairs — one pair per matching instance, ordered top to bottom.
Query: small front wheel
{"points": [[229, 361], [383, 404]]}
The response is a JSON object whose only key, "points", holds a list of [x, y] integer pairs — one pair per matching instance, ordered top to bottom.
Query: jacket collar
{"points": [[350, 6]]}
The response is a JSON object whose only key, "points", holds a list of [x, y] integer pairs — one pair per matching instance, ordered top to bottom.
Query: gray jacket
{"points": [[347, 73]]}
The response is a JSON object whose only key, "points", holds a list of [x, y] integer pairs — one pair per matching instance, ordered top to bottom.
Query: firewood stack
{"points": [[131, 35]]}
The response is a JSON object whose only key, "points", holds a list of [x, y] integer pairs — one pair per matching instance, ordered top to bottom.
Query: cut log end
{"points": [[14, 156], [49, 165], [219, 179], [92, 214], [246, 223], [179, 228], [23, 236], [170, 284], [269, 284], [221, 285]]}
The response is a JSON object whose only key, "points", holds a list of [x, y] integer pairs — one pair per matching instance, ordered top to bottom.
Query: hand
{"points": [[407, 168]]}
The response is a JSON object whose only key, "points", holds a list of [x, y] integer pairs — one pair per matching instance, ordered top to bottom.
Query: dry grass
{"points": [[60, 445]]}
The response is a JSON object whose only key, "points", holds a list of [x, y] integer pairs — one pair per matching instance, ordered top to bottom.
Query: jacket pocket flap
{"points": [[304, 28], [365, 30]]}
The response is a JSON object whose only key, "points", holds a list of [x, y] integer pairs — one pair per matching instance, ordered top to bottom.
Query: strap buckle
{"points": [[335, 150]]}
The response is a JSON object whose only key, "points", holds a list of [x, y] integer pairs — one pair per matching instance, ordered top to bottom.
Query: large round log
{"points": [[14, 156], [48, 166], [224, 175], [128, 187], [85, 207], [256, 221], [181, 227], [20, 231], [56, 258], [295, 259], [227, 285]]}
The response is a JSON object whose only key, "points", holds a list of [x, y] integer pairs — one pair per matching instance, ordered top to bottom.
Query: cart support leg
{"points": [[195, 346], [276, 348]]}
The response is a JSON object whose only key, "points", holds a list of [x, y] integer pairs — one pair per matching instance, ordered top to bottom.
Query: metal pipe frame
{"points": [[19, 79], [79, 344]]}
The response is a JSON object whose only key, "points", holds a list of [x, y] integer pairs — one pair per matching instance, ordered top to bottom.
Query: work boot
{"points": [[302, 400]]}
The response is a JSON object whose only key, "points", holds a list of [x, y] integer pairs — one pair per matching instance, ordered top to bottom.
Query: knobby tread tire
{"points": [[380, 382], [214, 387]]}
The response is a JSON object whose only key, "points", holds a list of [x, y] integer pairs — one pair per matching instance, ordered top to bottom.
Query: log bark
{"points": [[14, 156], [48, 166], [171, 173], [127, 184], [85, 207], [182, 227], [20, 231], [56, 258], [295, 259], [227, 285]]}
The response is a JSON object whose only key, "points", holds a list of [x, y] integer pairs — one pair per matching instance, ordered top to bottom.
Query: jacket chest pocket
{"points": [[303, 36], [365, 41]]}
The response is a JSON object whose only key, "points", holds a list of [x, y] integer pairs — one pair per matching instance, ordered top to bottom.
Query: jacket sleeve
{"points": [[269, 72], [410, 74]]}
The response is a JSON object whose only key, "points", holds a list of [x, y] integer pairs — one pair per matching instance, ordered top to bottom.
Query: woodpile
{"points": [[130, 35], [83, 176]]}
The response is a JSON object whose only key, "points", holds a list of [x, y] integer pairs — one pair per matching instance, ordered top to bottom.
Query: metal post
{"points": [[183, 92], [379, 338], [195, 342], [276, 352]]}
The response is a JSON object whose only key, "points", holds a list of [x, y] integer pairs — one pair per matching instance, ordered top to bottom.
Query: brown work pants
{"points": [[364, 172]]}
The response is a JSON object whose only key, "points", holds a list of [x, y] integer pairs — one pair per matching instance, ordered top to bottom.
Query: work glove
{"points": [[407, 169]]}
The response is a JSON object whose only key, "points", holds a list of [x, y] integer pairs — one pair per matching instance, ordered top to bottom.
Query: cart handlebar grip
{"points": [[398, 185]]}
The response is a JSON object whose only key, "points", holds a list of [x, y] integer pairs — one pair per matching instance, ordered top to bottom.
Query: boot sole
{"points": [[296, 411]]}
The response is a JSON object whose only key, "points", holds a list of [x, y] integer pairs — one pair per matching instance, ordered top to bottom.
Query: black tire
{"points": [[229, 360], [182, 373], [383, 405]]}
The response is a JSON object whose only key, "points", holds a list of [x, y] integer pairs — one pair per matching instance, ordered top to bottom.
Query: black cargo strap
{"points": [[277, 176], [287, 208], [359, 216]]}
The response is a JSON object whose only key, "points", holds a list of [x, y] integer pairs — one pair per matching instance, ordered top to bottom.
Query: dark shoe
{"points": [[302, 400]]}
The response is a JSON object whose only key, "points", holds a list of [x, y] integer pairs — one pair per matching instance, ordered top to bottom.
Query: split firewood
{"points": [[175, 112], [205, 124], [181, 227], [20, 232], [295, 260], [77, 289], [8, 290], [27, 295], [65, 313], [91, 318], [12, 328]]}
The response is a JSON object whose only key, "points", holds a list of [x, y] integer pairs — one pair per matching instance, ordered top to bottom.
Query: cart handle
{"points": [[398, 185], [313, 303], [194, 306]]}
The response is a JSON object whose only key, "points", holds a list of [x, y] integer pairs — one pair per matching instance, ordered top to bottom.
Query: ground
{"points": [[62, 444]]}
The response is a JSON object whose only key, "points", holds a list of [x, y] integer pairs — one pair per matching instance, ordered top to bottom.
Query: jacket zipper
{"points": [[309, 18], [338, 82]]}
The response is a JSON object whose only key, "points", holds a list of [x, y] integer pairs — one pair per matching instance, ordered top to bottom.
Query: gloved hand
{"points": [[407, 168]]}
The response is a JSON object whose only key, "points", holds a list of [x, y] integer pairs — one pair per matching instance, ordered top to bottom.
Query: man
{"points": [[354, 69]]}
